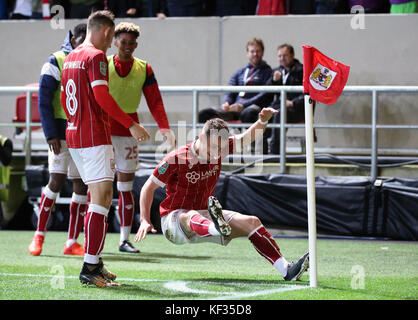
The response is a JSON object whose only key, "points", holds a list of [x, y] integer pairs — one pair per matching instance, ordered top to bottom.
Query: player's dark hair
{"points": [[101, 18], [80, 29], [288, 46], [216, 126]]}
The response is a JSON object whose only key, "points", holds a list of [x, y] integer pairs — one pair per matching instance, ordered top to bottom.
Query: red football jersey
{"points": [[88, 124], [189, 183]]}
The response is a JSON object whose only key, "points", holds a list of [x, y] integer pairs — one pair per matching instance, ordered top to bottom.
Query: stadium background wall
{"points": [[206, 51], [345, 206]]}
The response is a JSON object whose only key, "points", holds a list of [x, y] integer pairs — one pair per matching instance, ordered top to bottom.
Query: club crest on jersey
{"points": [[103, 68], [322, 77], [163, 168]]}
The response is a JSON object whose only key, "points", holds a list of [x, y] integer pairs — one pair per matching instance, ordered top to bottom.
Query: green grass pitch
{"points": [[347, 270]]}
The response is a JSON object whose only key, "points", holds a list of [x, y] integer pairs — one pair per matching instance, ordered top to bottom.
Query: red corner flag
{"points": [[323, 78]]}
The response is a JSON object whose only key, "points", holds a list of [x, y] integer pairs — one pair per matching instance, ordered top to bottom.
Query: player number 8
{"points": [[71, 101]]}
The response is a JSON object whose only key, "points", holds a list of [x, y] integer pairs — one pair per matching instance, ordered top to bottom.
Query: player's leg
{"points": [[126, 163], [57, 166], [95, 166], [49, 195], [78, 209], [126, 209], [193, 222], [178, 227], [95, 229], [266, 246]]}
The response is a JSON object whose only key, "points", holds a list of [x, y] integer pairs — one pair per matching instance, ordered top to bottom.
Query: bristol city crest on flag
{"points": [[322, 77]]}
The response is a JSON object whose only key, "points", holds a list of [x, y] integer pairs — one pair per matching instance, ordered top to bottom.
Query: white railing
{"points": [[196, 90]]}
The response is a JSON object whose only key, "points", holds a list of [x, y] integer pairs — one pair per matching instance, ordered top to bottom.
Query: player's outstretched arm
{"points": [[107, 103], [257, 129], [145, 202]]}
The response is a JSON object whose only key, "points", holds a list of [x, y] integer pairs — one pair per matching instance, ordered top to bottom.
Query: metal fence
{"points": [[196, 90]]}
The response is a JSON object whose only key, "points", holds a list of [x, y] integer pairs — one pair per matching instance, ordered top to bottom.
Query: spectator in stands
{"points": [[331, 6], [371, 6], [403, 6], [271, 7], [301, 7], [127, 8], [156, 8], [186, 8], [229, 8], [4, 9], [81, 9], [22, 10], [289, 72], [244, 106], [54, 123]]}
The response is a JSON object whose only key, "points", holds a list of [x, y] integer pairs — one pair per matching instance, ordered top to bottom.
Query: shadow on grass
{"points": [[152, 257], [252, 281], [142, 292]]}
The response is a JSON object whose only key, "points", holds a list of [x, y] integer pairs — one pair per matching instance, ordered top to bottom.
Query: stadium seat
{"points": [[20, 111]]}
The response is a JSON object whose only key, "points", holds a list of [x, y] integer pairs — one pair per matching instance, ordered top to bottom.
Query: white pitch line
{"points": [[181, 286], [260, 293]]}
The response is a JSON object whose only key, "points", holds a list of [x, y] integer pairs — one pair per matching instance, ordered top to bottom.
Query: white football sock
{"points": [[124, 233], [281, 265]]}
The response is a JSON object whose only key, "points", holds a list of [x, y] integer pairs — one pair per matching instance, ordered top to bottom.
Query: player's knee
{"points": [[56, 181], [79, 187], [184, 219], [253, 222]]}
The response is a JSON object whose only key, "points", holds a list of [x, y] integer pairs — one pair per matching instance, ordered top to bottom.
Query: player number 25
{"points": [[132, 153]]}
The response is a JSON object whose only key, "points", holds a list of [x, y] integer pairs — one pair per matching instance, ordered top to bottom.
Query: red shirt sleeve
{"points": [[98, 70], [99, 76], [154, 100], [165, 169]]}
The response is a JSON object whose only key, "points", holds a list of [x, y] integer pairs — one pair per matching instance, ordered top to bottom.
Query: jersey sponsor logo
{"points": [[103, 68], [163, 168], [194, 176]]}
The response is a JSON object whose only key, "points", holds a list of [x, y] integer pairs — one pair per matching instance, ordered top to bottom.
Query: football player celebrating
{"points": [[129, 78], [88, 106], [190, 213]]}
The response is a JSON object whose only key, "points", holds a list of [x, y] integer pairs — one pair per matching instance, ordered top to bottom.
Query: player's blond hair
{"points": [[99, 19], [127, 27]]}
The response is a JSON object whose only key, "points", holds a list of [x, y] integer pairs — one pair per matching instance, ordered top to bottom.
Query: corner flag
{"points": [[323, 78], [323, 81]]}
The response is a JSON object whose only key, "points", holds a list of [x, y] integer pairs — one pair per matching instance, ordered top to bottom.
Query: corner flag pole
{"points": [[310, 182]]}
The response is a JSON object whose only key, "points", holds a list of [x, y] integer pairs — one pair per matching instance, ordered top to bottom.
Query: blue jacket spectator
{"points": [[250, 75], [245, 106]]}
